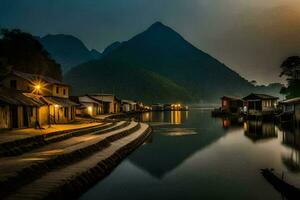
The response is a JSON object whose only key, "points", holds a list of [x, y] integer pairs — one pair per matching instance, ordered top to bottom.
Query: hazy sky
{"points": [[250, 36]]}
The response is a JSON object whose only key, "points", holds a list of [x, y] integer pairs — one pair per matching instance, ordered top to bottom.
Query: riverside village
{"points": [[149, 100], [44, 129]]}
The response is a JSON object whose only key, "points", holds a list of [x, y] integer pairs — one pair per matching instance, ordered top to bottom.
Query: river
{"points": [[194, 156]]}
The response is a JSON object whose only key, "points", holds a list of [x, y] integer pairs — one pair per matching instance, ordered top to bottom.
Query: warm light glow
{"points": [[38, 87], [56, 106], [90, 109], [175, 117], [245, 126]]}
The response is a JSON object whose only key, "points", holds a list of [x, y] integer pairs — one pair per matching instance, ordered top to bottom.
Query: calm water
{"points": [[194, 156]]}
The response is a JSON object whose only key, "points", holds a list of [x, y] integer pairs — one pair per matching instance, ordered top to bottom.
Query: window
{"points": [[13, 84], [57, 90], [64, 91]]}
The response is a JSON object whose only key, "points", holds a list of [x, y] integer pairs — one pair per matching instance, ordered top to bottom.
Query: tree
{"points": [[22, 52], [290, 68], [253, 82]]}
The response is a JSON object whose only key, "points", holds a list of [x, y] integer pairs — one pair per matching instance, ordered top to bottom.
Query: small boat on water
{"points": [[286, 189]]}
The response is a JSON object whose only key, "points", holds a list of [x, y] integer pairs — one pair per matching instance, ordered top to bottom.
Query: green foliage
{"points": [[21, 51], [291, 70]]}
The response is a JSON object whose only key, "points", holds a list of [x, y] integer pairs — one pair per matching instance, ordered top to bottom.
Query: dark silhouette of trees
{"points": [[21, 51], [290, 68]]}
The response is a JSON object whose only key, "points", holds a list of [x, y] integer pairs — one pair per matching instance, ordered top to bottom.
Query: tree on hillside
{"points": [[21, 51], [290, 68], [253, 82]]}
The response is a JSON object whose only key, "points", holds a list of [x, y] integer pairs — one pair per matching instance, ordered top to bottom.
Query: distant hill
{"points": [[111, 47], [68, 50], [21, 51], [164, 53], [127, 82]]}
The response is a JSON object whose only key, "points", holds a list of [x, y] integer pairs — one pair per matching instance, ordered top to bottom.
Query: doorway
{"points": [[14, 116]]}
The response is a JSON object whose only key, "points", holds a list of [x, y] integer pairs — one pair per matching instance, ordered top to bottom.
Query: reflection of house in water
{"points": [[229, 123], [258, 130], [291, 138]]}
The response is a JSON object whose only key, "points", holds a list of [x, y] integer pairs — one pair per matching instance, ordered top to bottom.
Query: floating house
{"points": [[55, 93], [111, 104], [231, 104], [260, 104], [129, 106], [291, 110]]}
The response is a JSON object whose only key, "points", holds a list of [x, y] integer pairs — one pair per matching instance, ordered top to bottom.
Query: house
{"points": [[55, 93], [111, 104], [231, 104], [260, 104], [88, 105], [129, 106], [157, 107], [291, 108], [20, 111]]}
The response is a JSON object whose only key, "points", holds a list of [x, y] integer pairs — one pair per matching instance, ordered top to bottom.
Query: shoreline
{"points": [[71, 174], [83, 182]]}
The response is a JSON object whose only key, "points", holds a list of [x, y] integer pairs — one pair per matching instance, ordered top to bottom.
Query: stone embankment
{"points": [[67, 164]]}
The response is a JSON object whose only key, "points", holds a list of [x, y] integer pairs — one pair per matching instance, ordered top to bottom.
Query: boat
{"points": [[286, 189]]}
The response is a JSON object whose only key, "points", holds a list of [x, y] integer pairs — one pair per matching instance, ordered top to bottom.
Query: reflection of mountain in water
{"points": [[258, 130], [291, 138], [166, 151]]}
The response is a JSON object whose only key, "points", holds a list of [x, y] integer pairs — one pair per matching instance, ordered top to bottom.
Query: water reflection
{"points": [[171, 117], [230, 123], [259, 130], [291, 138], [175, 140], [194, 156]]}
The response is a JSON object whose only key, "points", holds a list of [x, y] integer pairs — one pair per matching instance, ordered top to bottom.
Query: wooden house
{"points": [[56, 94], [111, 104], [231, 104], [260, 104], [88, 105], [129, 106], [157, 107], [291, 108], [20, 111]]}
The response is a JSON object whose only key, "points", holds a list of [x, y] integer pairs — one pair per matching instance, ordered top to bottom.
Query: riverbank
{"points": [[71, 163]]}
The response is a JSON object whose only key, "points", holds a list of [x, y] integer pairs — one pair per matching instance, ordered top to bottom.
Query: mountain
{"points": [[111, 47], [68, 50], [21, 51], [162, 51], [95, 54], [128, 82]]}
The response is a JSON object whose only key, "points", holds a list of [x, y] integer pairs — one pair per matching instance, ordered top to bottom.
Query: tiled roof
{"points": [[35, 77], [259, 96], [13, 97], [232, 98], [291, 101], [64, 102]]}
